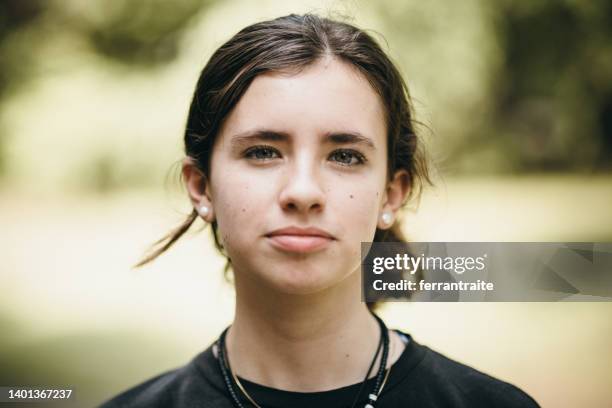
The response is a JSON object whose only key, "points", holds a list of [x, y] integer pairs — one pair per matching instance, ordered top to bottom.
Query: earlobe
{"points": [[196, 185], [395, 194], [205, 212], [385, 220]]}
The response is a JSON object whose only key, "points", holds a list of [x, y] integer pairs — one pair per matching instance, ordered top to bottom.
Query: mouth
{"points": [[300, 240]]}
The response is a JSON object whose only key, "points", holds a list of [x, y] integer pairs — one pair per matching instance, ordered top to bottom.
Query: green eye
{"points": [[262, 153], [347, 157]]}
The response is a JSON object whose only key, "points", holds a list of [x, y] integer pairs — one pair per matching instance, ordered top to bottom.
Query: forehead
{"points": [[328, 95]]}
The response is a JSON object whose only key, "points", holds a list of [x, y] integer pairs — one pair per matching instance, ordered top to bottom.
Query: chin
{"points": [[303, 274], [303, 279]]}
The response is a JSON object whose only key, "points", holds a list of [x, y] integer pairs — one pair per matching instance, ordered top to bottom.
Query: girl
{"points": [[299, 146]]}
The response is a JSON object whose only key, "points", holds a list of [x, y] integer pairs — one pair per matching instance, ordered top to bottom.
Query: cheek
{"points": [[236, 202], [358, 206]]}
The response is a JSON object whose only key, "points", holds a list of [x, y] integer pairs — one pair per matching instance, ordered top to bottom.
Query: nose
{"points": [[302, 191]]}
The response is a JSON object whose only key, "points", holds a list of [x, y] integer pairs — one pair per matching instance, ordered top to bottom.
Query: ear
{"points": [[198, 189], [394, 196]]}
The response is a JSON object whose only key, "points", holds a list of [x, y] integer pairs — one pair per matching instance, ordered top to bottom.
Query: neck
{"points": [[302, 343]]}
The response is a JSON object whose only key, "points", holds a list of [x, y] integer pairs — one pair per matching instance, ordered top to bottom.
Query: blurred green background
{"points": [[516, 104]]}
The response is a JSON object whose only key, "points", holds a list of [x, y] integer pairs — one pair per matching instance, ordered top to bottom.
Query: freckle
{"points": [[243, 210], [347, 356]]}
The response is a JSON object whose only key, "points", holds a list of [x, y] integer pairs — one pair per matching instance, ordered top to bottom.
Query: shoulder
{"points": [[469, 385], [182, 387], [173, 388], [155, 392]]}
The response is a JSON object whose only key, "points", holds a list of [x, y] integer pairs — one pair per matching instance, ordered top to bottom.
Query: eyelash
{"points": [[253, 151], [360, 157]]}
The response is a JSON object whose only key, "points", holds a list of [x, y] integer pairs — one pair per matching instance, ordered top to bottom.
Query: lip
{"points": [[300, 240]]}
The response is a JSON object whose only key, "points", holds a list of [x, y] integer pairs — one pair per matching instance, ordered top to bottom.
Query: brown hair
{"points": [[291, 43]]}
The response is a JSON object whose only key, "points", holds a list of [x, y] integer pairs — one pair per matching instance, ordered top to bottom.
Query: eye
{"points": [[262, 153], [347, 157]]}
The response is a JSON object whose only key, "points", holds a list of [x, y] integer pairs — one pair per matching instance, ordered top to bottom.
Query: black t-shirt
{"points": [[420, 378]]}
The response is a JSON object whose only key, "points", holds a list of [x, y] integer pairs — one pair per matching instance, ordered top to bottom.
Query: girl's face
{"points": [[298, 177]]}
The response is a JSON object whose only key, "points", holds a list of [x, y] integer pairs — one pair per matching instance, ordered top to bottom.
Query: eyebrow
{"points": [[266, 135]]}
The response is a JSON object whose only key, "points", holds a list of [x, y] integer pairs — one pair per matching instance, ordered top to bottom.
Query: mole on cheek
{"points": [[351, 196]]}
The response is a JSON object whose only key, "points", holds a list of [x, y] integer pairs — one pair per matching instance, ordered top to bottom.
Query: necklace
{"points": [[381, 377]]}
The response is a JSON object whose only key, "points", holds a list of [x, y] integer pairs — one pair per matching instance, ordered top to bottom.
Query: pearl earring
{"points": [[203, 210], [387, 218]]}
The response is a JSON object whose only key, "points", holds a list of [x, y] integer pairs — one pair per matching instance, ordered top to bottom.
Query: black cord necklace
{"points": [[230, 378]]}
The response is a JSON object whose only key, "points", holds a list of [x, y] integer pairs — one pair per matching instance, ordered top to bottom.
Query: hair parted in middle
{"points": [[289, 44]]}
